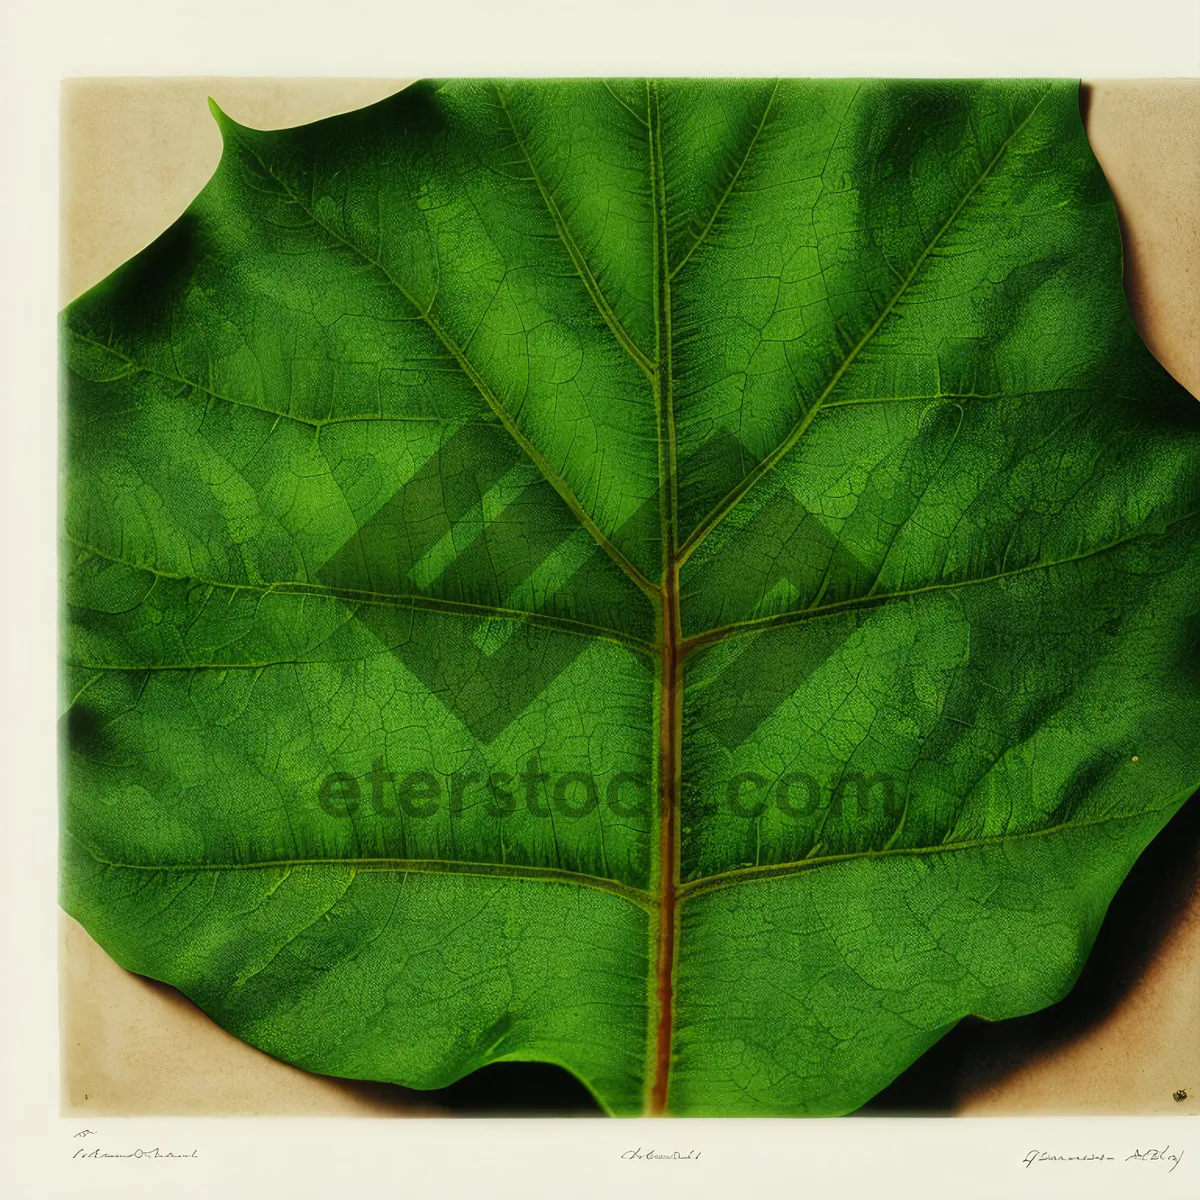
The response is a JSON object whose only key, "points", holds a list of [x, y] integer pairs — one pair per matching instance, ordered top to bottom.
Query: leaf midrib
{"points": [[669, 681]]}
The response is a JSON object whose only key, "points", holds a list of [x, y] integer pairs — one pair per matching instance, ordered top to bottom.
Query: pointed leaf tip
{"points": [[225, 123]]}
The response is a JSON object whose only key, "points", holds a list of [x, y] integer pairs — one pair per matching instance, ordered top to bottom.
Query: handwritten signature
{"points": [[154, 1153], [659, 1155], [1165, 1155]]}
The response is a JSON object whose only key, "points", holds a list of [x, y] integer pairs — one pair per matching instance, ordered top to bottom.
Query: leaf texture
{"points": [[694, 581]]}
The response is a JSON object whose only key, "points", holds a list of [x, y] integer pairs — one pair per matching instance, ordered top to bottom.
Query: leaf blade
{"points": [[372, 472]]}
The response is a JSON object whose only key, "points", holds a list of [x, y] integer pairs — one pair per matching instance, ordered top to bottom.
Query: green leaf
{"points": [[691, 581]]}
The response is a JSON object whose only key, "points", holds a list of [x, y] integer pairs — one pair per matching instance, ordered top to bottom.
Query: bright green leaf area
{"points": [[774, 463]]}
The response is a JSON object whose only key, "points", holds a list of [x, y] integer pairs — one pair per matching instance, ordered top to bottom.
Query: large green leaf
{"points": [[692, 581]]}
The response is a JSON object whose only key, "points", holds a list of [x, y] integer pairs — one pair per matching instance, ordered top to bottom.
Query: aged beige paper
{"points": [[134, 153]]}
